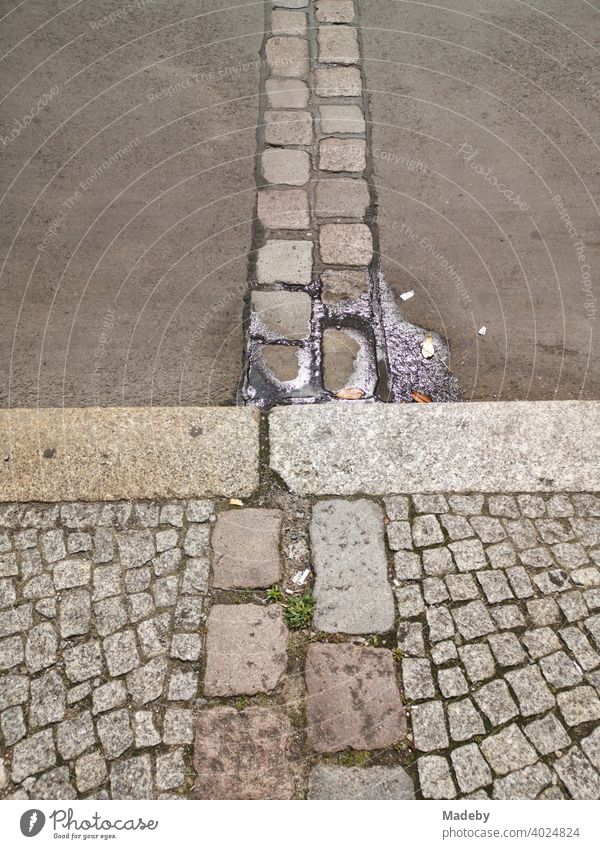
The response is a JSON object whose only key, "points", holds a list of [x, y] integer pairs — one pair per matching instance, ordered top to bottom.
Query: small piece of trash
{"points": [[405, 296], [482, 330], [427, 349], [350, 394], [420, 397], [236, 502], [300, 577], [289, 592]]}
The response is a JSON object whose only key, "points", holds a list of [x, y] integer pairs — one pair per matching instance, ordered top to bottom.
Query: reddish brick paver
{"points": [[352, 699], [242, 755]]}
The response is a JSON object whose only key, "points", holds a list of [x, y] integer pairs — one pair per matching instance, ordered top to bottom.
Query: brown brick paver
{"points": [[352, 701], [242, 754]]}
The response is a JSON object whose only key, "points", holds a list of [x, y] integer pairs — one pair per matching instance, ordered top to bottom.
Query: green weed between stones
{"points": [[275, 594], [298, 611], [297, 713], [354, 758]]}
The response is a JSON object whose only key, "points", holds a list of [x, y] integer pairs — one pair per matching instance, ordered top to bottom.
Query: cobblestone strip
{"points": [[311, 330], [241, 748]]}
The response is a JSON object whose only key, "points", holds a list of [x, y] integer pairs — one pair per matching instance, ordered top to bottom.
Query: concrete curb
{"points": [[487, 447], [95, 454]]}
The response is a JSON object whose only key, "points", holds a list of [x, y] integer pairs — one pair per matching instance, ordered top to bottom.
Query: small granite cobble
{"points": [[338, 45], [312, 124], [336, 154], [245, 650], [242, 754]]}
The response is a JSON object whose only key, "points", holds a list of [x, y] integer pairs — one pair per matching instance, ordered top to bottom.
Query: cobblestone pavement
{"points": [[321, 322], [453, 649]]}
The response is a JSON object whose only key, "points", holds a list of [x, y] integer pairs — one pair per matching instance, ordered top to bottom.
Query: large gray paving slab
{"points": [[490, 447], [144, 452], [352, 591]]}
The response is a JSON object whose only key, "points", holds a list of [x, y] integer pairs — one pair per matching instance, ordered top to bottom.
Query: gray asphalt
{"points": [[483, 113], [130, 292]]}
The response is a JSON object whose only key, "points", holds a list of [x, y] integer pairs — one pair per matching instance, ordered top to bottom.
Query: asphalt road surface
{"points": [[486, 132], [128, 142], [127, 201]]}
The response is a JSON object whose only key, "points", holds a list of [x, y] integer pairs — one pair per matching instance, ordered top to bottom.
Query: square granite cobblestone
{"points": [[334, 11], [288, 22], [287, 56], [338, 82], [286, 93], [288, 128], [336, 154], [290, 167], [341, 198], [346, 244], [284, 261], [352, 591]]}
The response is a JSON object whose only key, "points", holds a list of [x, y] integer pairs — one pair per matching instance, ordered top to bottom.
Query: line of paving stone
{"points": [[311, 324], [454, 650]]}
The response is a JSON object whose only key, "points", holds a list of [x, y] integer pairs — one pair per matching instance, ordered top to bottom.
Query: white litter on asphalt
{"points": [[405, 296], [482, 331]]}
